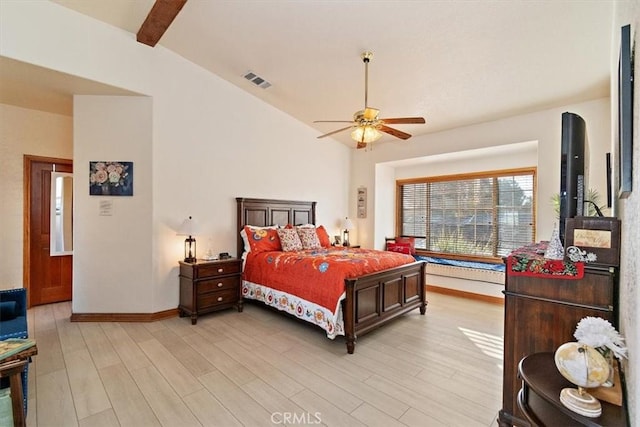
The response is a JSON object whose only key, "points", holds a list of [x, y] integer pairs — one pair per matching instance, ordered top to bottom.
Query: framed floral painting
{"points": [[110, 178]]}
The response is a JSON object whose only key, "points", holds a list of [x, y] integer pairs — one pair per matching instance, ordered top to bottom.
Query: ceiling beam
{"points": [[158, 20]]}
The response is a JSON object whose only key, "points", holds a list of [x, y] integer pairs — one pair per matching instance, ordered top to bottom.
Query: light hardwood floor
{"points": [[260, 368]]}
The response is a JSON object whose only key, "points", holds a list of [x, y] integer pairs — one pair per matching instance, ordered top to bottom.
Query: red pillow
{"points": [[323, 236], [263, 240], [411, 241], [404, 248]]}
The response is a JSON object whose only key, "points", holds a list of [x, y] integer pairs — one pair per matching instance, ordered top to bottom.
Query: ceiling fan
{"points": [[366, 126]]}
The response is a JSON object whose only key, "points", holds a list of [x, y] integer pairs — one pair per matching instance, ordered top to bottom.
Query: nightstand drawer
{"points": [[218, 269], [220, 284], [229, 296]]}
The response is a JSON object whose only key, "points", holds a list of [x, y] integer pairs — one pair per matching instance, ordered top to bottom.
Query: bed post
{"points": [[423, 284], [348, 312]]}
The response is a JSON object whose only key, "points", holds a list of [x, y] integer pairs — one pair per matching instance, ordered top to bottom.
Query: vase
{"points": [[105, 190], [554, 248]]}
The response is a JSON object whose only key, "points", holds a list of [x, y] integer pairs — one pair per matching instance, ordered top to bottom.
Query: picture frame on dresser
{"points": [[599, 236]]}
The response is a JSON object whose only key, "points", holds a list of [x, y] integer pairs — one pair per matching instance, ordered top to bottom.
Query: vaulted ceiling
{"points": [[454, 62]]}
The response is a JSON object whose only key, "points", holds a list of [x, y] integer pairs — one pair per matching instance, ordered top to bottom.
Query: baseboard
{"points": [[464, 294], [123, 317]]}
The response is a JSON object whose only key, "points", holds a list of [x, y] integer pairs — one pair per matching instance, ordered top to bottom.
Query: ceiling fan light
{"points": [[365, 134]]}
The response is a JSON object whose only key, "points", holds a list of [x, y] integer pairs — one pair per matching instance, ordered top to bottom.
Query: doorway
{"points": [[48, 279]]}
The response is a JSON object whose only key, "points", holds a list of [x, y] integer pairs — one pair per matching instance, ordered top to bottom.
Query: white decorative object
{"points": [[554, 248], [576, 254], [598, 332], [585, 367]]}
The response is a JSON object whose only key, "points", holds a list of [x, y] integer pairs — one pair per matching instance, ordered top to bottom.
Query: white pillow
{"points": [[306, 226]]}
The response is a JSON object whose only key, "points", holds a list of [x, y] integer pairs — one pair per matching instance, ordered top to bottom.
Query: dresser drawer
{"points": [[218, 269], [220, 284], [594, 290], [229, 296]]}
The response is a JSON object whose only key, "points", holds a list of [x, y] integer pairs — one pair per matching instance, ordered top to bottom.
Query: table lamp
{"points": [[347, 224], [186, 229]]}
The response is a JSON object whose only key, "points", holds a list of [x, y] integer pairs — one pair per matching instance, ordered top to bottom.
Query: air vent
{"points": [[256, 80]]}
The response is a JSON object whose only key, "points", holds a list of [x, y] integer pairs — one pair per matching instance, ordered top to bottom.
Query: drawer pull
{"points": [[220, 270], [220, 284], [219, 299]]}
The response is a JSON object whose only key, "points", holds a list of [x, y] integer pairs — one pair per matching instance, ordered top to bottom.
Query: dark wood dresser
{"points": [[207, 286], [541, 313]]}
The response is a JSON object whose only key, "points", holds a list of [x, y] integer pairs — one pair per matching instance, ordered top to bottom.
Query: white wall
{"points": [[628, 12], [543, 127], [23, 131], [209, 143], [112, 260]]}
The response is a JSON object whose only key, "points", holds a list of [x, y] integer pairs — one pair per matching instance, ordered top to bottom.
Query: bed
{"points": [[368, 301]]}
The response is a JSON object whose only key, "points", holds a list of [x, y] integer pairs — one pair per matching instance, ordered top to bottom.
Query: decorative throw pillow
{"points": [[323, 236], [245, 238], [309, 238], [262, 239], [289, 239], [411, 241], [403, 248]]}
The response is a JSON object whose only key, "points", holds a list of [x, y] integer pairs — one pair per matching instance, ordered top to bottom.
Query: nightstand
{"points": [[207, 286]]}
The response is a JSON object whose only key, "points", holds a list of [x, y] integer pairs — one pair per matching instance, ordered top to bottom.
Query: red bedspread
{"points": [[317, 275]]}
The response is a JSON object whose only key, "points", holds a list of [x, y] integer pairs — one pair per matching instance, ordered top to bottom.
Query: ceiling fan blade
{"points": [[404, 120], [333, 121], [335, 131], [395, 132], [361, 145]]}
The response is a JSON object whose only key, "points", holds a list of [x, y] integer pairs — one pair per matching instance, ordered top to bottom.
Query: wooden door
{"points": [[47, 278]]}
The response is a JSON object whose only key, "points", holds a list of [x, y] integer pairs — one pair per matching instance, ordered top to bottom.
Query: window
{"points": [[481, 215]]}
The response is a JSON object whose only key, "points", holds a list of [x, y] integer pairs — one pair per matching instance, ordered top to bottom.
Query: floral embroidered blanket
{"points": [[530, 261], [317, 275], [310, 283]]}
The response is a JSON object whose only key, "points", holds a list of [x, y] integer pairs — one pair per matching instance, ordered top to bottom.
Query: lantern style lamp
{"points": [[347, 224], [186, 229]]}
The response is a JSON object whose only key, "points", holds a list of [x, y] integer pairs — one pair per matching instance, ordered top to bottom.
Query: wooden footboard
{"points": [[375, 299]]}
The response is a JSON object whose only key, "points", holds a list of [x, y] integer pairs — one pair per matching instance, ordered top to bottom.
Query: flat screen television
{"points": [[625, 112], [572, 169]]}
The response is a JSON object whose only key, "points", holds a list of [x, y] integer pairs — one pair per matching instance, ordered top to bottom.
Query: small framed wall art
{"points": [[110, 178], [362, 202]]}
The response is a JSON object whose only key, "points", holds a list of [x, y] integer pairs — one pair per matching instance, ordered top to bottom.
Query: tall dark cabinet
{"points": [[541, 313]]}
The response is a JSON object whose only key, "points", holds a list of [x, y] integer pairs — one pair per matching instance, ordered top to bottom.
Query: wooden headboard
{"points": [[264, 212]]}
